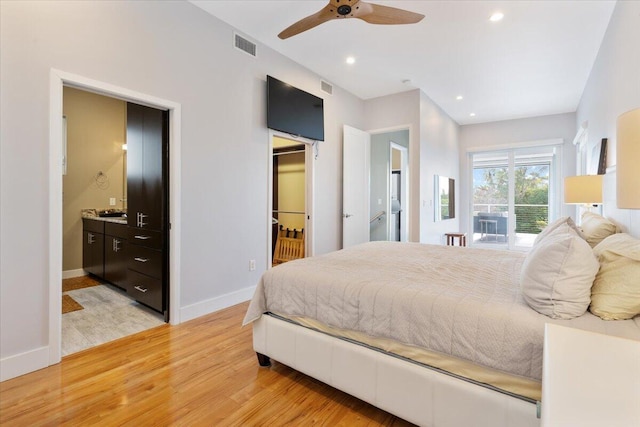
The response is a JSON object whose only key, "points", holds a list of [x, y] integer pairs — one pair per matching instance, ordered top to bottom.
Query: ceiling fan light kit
{"points": [[341, 9]]}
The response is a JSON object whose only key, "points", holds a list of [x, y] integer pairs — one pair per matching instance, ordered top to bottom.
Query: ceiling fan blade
{"points": [[385, 15], [309, 22]]}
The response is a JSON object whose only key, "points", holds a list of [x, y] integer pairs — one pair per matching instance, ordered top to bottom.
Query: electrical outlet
{"points": [[112, 201], [252, 265]]}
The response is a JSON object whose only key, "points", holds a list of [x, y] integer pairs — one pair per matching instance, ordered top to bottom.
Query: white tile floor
{"points": [[108, 314]]}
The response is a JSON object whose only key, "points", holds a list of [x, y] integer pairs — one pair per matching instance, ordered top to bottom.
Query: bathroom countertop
{"points": [[93, 214]]}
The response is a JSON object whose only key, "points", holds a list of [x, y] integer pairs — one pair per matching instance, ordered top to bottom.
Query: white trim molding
{"points": [[215, 304], [23, 363]]}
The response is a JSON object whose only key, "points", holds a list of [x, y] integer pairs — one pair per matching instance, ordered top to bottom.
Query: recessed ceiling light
{"points": [[497, 16], [351, 60], [459, 97], [472, 114]]}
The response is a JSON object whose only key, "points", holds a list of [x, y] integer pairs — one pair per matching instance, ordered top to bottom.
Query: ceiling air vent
{"points": [[245, 45], [326, 87]]}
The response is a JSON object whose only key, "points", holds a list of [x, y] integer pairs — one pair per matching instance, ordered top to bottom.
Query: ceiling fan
{"points": [[342, 9]]}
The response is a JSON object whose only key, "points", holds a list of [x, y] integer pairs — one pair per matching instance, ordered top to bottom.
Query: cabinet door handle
{"points": [[140, 219], [90, 237], [142, 237], [116, 244], [141, 259], [140, 288]]}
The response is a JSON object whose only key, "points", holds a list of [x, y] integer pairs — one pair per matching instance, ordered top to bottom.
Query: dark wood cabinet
{"points": [[146, 159], [148, 206], [93, 247], [115, 254]]}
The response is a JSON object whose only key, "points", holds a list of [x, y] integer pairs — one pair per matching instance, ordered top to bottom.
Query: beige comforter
{"points": [[457, 301]]}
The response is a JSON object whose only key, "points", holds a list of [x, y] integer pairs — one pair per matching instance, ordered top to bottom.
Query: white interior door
{"points": [[355, 186]]}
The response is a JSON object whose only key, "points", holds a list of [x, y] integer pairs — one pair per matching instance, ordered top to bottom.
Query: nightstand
{"points": [[462, 239], [589, 379]]}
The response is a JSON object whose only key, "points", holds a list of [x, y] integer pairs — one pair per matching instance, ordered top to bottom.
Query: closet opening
{"points": [[290, 210]]}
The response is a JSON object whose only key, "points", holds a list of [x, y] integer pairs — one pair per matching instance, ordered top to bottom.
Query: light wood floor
{"points": [[200, 373]]}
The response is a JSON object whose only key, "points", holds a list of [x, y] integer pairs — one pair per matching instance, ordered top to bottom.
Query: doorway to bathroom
{"points": [[97, 305]]}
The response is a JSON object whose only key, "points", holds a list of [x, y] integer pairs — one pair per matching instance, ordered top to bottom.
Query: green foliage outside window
{"points": [[531, 191]]}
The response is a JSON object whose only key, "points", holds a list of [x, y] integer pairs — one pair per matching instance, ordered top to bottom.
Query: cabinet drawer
{"points": [[93, 225], [116, 230], [150, 239], [145, 260], [145, 289]]}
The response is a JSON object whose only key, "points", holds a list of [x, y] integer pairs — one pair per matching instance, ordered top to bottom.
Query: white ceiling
{"points": [[534, 62]]}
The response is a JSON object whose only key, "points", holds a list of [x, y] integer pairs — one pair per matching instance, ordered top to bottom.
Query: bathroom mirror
{"points": [[445, 197]]}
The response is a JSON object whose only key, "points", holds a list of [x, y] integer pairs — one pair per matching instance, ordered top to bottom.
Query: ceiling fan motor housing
{"points": [[344, 9]]}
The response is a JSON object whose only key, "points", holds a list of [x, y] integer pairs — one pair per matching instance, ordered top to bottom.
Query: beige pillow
{"points": [[561, 225], [596, 228], [557, 275], [615, 294]]}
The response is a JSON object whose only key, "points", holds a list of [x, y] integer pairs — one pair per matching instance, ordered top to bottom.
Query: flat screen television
{"points": [[294, 111]]}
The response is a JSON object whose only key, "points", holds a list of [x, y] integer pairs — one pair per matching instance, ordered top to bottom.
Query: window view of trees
{"points": [[491, 186]]}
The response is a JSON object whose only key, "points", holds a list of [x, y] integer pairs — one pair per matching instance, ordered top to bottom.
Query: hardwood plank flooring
{"points": [[200, 373]]}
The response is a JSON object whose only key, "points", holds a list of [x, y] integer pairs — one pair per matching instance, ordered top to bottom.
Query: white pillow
{"points": [[561, 225], [557, 275], [615, 294]]}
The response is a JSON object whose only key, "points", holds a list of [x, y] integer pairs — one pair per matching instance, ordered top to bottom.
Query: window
{"points": [[514, 195]]}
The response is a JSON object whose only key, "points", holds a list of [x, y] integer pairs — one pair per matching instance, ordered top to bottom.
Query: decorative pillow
{"points": [[561, 225], [596, 228], [557, 275], [615, 294]]}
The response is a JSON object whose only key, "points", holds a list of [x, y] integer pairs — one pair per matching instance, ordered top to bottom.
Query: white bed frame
{"points": [[411, 391]]}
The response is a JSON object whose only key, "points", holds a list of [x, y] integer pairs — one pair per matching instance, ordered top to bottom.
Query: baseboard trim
{"points": [[69, 274], [214, 304], [23, 363]]}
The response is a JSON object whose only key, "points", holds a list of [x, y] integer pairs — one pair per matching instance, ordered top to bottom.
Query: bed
{"points": [[464, 347]]}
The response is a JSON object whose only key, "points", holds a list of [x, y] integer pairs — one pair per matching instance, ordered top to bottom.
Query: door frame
{"points": [[57, 80], [310, 154], [410, 154], [404, 188]]}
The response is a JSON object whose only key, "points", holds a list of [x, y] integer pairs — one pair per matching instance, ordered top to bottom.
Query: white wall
{"points": [[174, 51], [614, 83], [401, 111], [505, 133], [439, 147], [433, 149]]}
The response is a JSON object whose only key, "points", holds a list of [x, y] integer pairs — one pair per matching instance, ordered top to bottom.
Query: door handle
{"points": [[140, 219], [137, 236], [90, 239], [141, 259], [140, 288]]}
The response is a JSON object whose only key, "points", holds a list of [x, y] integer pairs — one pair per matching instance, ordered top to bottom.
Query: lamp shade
{"points": [[628, 160], [583, 189]]}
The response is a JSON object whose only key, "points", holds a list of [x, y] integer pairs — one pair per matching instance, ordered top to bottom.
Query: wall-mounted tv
{"points": [[294, 111]]}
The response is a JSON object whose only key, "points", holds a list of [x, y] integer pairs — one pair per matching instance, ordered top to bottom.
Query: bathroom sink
{"points": [[111, 213]]}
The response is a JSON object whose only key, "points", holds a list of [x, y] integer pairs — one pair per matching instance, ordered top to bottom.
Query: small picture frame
{"points": [[602, 162]]}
